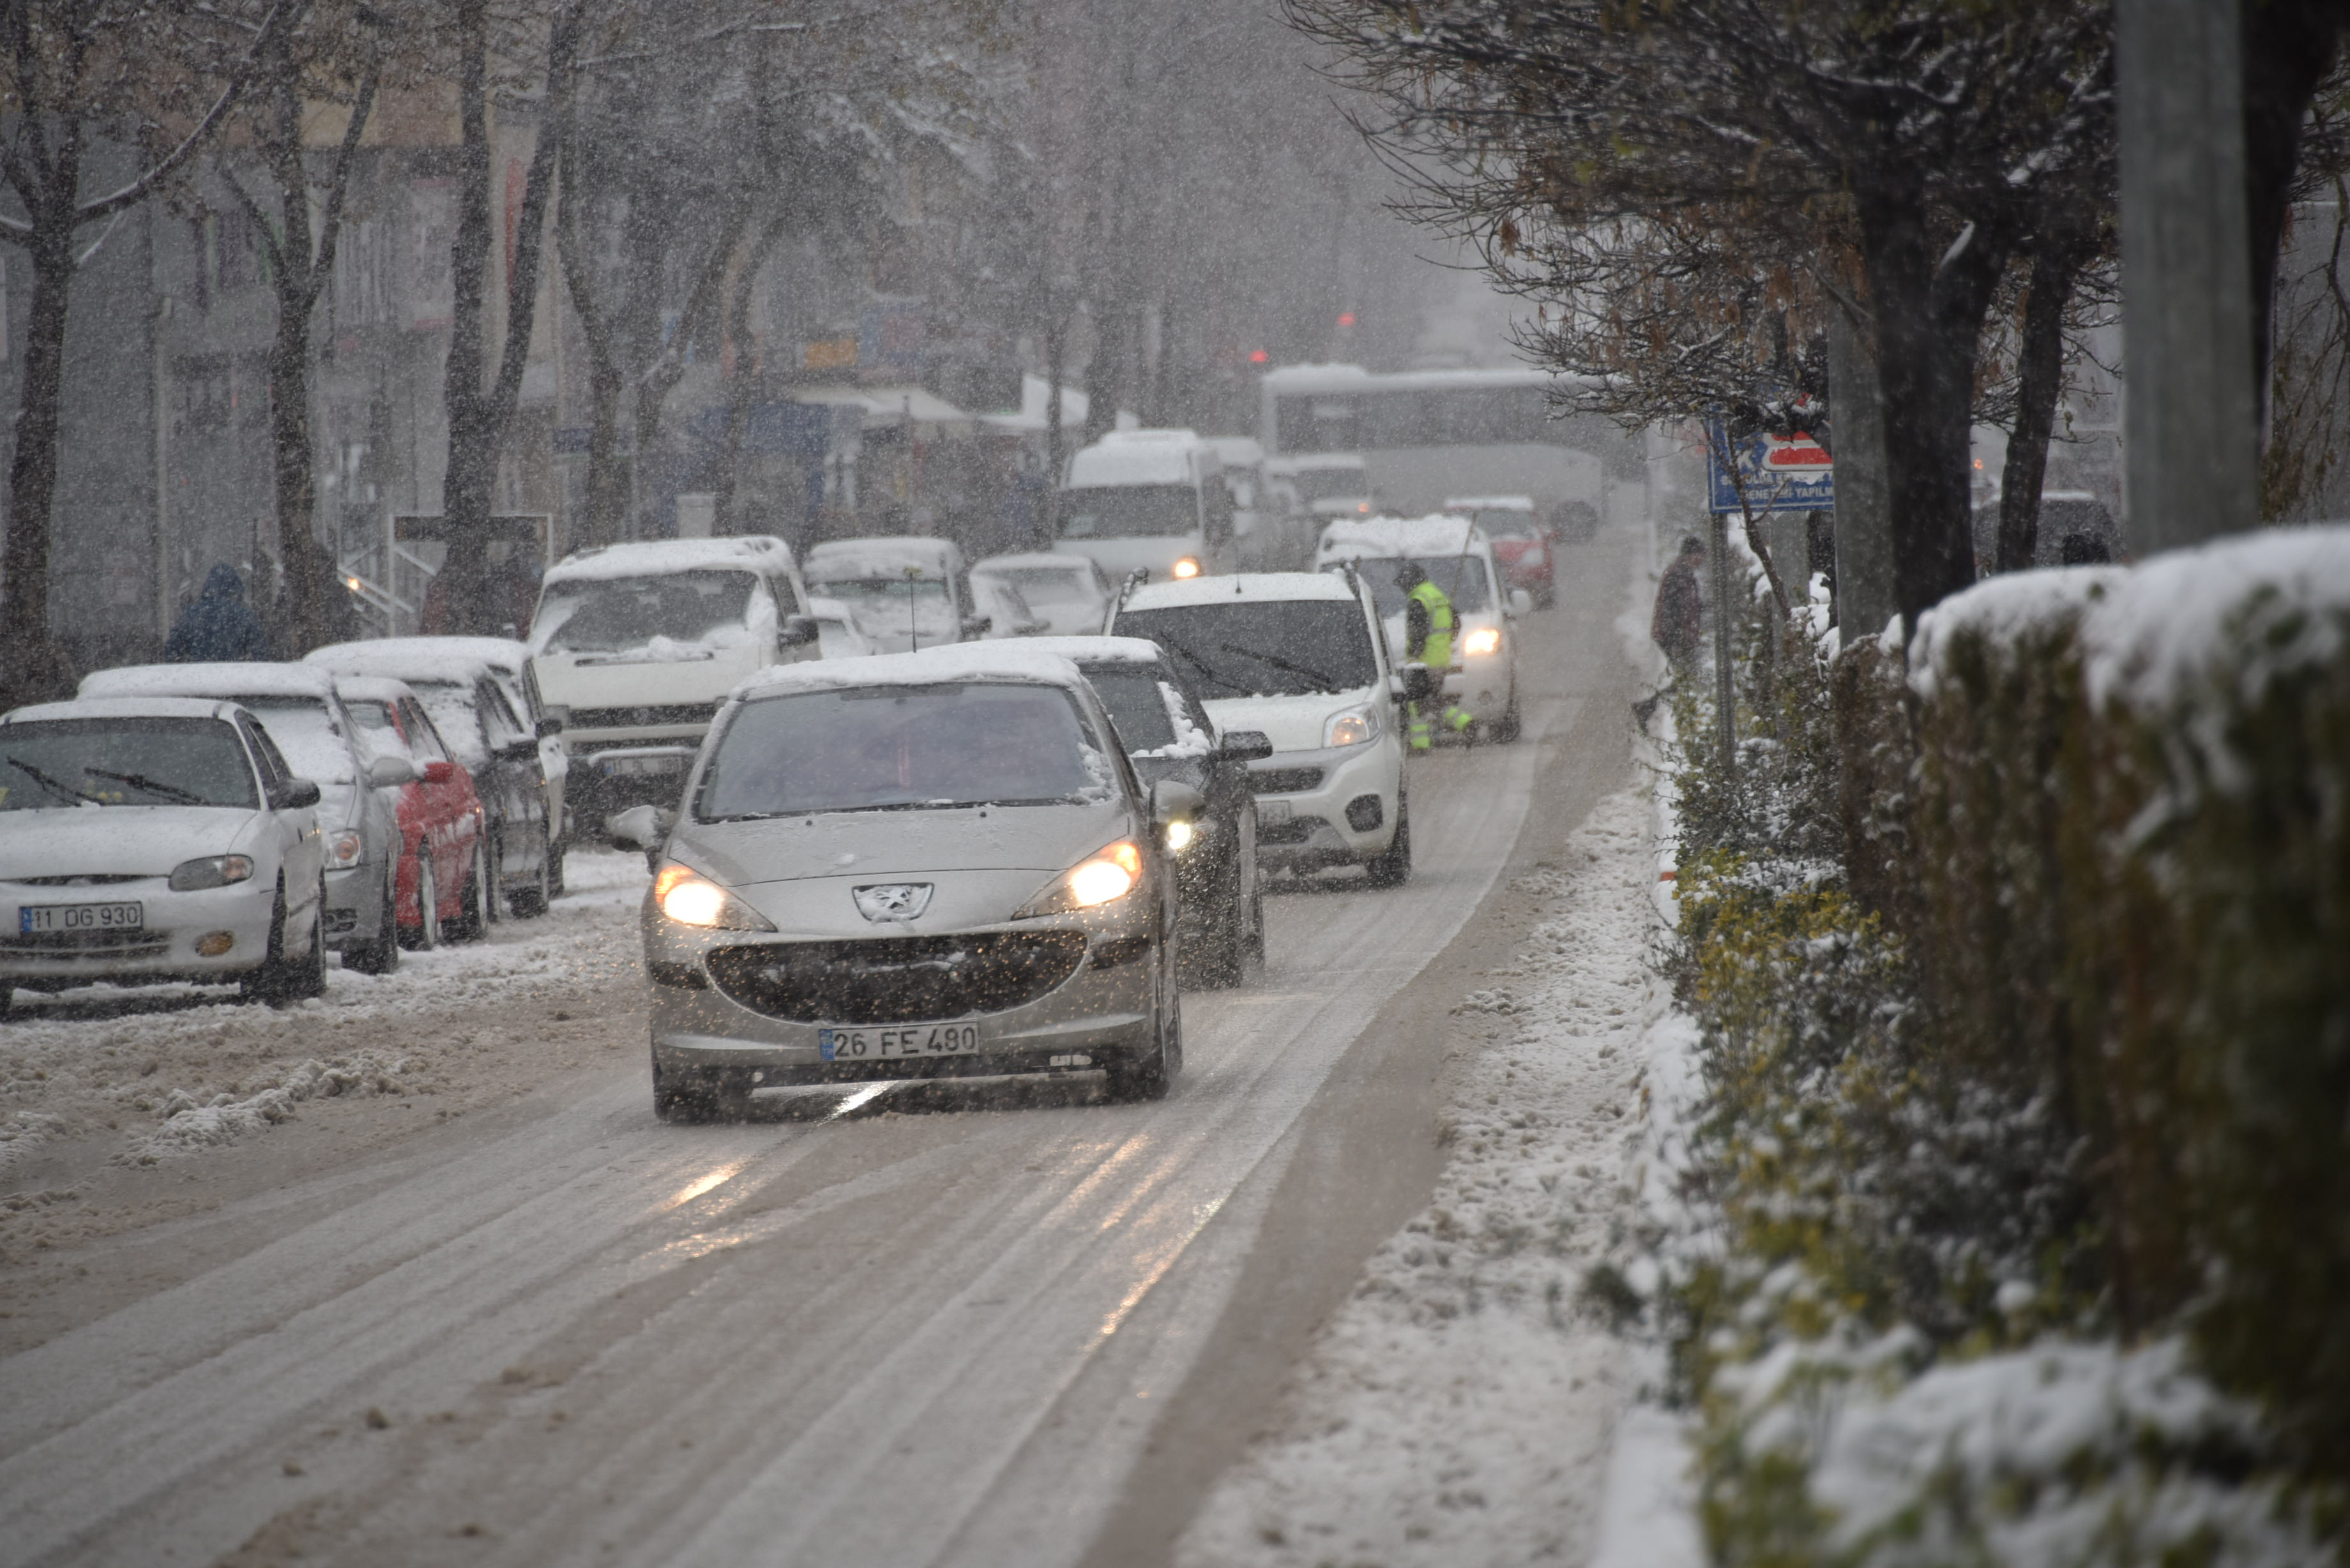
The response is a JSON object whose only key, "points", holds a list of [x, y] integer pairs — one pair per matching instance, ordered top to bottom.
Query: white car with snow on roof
{"points": [[1456, 557], [904, 592], [1068, 593], [638, 644], [1298, 657], [155, 838], [933, 864]]}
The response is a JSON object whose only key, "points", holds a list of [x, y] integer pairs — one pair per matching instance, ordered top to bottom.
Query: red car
{"points": [[441, 891]]}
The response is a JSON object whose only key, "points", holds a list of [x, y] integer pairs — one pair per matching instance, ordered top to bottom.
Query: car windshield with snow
{"points": [[921, 864]]}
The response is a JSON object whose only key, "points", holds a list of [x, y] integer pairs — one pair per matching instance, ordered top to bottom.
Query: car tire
{"points": [[1506, 728], [1393, 868], [493, 881], [555, 888], [529, 903], [472, 921], [425, 935], [380, 956], [1220, 958], [279, 980], [1151, 1075], [686, 1098]]}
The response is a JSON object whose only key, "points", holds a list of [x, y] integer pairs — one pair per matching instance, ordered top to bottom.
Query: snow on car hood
{"points": [[638, 679], [1292, 724], [115, 840], [869, 845]]}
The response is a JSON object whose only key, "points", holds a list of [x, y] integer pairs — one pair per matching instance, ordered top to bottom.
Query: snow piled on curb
{"points": [[1460, 1408]]}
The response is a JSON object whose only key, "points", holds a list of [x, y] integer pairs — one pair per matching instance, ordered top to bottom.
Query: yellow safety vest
{"points": [[1437, 651]]}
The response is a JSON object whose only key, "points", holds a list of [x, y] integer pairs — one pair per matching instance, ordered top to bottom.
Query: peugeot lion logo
{"points": [[893, 901]]}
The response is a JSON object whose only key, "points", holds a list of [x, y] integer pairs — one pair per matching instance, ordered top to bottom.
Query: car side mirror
{"points": [[1521, 602], [977, 625], [797, 631], [552, 722], [1244, 746], [524, 750], [439, 772], [391, 773], [296, 793], [1171, 800], [644, 827]]}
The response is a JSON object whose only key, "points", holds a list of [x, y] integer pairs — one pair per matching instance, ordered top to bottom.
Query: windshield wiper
{"points": [[1321, 678], [56, 786], [152, 786]]}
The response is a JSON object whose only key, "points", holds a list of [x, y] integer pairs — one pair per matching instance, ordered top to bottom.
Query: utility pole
{"points": [[2191, 410]]}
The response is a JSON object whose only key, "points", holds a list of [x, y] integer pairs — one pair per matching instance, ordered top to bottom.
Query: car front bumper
{"points": [[1328, 823], [163, 947]]}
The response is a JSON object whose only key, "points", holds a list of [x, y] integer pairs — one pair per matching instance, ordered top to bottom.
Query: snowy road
{"points": [[829, 1336]]}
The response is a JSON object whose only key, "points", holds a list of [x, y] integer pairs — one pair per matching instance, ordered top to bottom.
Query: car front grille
{"points": [[640, 718], [1285, 781], [1296, 830], [81, 880], [117, 944], [896, 979]]}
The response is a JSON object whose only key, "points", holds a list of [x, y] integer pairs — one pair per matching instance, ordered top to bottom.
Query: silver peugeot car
{"points": [[919, 865]]}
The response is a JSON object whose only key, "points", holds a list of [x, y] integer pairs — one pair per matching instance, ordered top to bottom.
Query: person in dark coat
{"points": [[1680, 621], [219, 624]]}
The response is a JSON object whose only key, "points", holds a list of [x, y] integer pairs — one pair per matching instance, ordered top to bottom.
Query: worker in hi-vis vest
{"points": [[1427, 626]]}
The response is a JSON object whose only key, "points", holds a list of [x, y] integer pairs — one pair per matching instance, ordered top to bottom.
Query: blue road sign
{"points": [[1778, 474]]}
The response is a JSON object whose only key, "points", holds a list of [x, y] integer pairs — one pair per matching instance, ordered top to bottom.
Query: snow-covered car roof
{"points": [[1143, 457], [1301, 463], [1488, 503], [1438, 534], [658, 557], [839, 560], [1032, 561], [1269, 586], [1098, 650], [498, 652], [1006, 659], [419, 660], [223, 681], [372, 689], [123, 708]]}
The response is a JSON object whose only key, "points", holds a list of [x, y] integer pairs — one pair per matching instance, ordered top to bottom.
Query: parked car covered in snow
{"points": [[904, 593], [1068, 593], [639, 643], [298, 710], [495, 745], [154, 838], [925, 864], [439, 892]]}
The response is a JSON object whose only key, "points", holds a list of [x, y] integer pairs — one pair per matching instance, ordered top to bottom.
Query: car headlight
{"points": [[1187, 567], [1482, 640], [1355, 727], [1179, 836], [345, 848], [212, 871], [1102, 877], [691, 899]]}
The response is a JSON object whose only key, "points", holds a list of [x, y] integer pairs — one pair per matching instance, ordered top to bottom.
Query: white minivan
{"points": [[1151, 500], [1454, 554], [641, 642], [1298, 655]]}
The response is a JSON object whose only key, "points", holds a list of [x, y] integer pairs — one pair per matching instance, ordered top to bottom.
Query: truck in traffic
{"points": [[1152, 501]]}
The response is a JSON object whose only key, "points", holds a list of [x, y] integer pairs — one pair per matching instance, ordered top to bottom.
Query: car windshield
{"points": [[1130, 511], [1504, 523], [1462, 578], [1048, 585], [897, 610], [612, 614], [1263, 648], [1137, 705], [306, 734], [876, 748], [123, 762]]}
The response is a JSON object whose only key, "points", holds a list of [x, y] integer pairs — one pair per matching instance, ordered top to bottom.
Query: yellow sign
{"points": [[829, 354]]}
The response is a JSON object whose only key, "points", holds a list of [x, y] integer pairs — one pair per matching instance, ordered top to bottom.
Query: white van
{"points": [[1148, 500], [1458, 558], [641, 642]]}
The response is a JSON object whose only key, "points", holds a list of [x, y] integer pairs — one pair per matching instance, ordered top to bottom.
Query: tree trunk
{"points": [[1929, 314], [666, 369], [2040, 381], [741, 389], [1055, 458], [470, 473], [608, 480], [29, 668]]}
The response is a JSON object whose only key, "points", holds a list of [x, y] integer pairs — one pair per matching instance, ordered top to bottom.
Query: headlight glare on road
{"points": [[1187, 567], [1482, 640], [1355, 727], [345, 848], [212, 871], [1103, 878], [694, 900]]}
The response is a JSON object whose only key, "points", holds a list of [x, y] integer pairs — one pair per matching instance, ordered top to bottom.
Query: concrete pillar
{"points": [[2190, 412], [1864, 511]]}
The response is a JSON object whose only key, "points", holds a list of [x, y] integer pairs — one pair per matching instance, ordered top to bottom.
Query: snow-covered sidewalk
{"points": [[1461, 1407]]}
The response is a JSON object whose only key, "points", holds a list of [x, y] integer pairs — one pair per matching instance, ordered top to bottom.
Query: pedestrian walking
{"points": [[219, 624], [1678, 624], [1428, 627]]}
